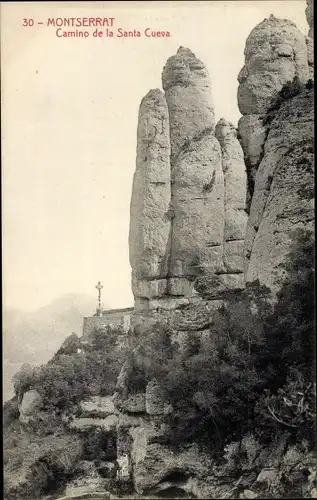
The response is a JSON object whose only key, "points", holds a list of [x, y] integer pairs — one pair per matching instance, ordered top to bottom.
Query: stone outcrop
{"points": [[310, 17], [310, 38], [275, 53], [310, 56], [187, 89], [276, 144], [196, 171], [151, 194], [283, 198], [188, 202], [235, 217], [213, 247], [30, 406], [97, 406], [83, 424], [145, 454], [156, 469], [87, 485]]}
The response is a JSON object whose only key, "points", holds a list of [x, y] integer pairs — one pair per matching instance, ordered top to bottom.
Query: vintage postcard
{"points": [[158, 249]]}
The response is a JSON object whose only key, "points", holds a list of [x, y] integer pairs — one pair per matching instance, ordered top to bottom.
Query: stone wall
{"points": [[113, 317]]}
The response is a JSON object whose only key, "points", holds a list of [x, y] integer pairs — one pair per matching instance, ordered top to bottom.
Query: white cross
{"points": [[99, 288]]}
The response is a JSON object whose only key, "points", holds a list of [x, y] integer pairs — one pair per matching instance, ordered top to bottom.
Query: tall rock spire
{"points": [[187, 88], [197, 177], [151, 194], [235, 195], [188, 198]]}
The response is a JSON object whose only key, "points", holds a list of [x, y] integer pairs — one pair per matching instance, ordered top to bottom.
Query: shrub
{"points": [[310, 84], [288, 91], [290, 329], [105, 339], [70, 345], [247, 363], [71, 376], [24, 379], [291, 408], [10, 412], [99, 445], [38, 465], [51, 470]]}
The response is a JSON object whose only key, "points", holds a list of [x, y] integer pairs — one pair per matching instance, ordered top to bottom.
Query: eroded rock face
{"points": [[310, 17], [310, 38], [275, 52], [310, 56], [187, 88], [252, 134], [196, 172], [235, 185], [151, 194], [283, 198], [179, 227], [207, 238], [97, 406], [107, 424], [154, 464], [87, 483]]}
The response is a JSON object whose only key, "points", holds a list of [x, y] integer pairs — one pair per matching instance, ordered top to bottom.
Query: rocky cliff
{"points": [[310, 17], [275, 53], [276, 134], [283, 198], [225, 205], [188, 216], [210, 402]]}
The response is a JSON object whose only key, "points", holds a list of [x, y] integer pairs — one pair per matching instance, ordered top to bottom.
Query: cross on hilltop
{"points": [[99, 288]]}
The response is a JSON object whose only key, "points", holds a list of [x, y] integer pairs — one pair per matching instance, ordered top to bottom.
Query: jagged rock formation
{"points": [[310, 17], [310, 38], [275, 53], [310, 56], [278, 152], [197, 177], [235, 186], [151, 194], [283, 198], [188, 215], [212, 246], [143, 436]]}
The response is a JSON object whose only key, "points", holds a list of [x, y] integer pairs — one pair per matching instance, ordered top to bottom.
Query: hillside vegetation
{"points": [[253, 375]]}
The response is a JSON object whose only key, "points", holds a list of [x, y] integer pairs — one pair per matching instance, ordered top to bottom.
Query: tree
{"points": [[24, 379]]}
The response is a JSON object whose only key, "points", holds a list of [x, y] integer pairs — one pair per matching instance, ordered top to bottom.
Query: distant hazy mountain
{"points": [[34, 337]]}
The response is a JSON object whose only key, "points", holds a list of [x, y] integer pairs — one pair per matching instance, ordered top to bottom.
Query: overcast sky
{"points": [[70, 108]]}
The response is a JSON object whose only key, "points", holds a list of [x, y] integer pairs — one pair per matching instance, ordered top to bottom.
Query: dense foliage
{"points": [[255, 371], [75, 372], [251, 374]]}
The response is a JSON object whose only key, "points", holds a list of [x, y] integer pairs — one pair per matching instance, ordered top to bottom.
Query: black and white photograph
{"points": [[158, 250]]}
